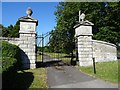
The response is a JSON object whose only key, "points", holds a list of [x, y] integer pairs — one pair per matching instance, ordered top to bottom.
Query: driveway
{"points": [[60, 76]]}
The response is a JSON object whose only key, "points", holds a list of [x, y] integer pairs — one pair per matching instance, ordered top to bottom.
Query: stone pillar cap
{"points": [[28, 18], [85, 23]]}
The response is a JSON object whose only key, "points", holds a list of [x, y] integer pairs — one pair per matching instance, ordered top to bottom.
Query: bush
{"points": [[9, 50], [10, 57], [8, 64]]}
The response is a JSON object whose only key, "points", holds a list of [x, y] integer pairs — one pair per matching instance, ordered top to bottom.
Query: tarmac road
{"points": [[60, 76]]}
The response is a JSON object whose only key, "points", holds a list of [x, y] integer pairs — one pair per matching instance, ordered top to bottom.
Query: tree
{"points": [[105, 17], [16, 29], [109, 29], [4, 31], [11, 31]]}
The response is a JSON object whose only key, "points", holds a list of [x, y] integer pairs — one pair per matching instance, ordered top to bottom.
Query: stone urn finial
{"points": [[29, 11], [81, 17]]}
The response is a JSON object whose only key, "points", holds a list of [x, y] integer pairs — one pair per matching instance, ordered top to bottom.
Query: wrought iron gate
{"points": [[45, 53]]}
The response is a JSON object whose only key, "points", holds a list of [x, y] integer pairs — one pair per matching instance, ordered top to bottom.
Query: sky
{"points": [[42, 11], [0, 12]]}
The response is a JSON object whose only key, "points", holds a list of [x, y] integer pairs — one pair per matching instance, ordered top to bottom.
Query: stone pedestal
{"points": [[83, 34], [28, 41]]}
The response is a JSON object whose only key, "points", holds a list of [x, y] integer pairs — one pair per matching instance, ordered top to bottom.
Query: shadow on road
{"points": [[50, 64]]}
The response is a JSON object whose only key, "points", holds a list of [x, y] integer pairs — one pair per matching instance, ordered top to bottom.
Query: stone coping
{"points": [[28, 19], [85, 23], [27, 32], [83, 35], [8, 38], [103, 42]]}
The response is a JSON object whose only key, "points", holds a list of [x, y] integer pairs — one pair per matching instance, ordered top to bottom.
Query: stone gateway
{"points": [[88, 49]]}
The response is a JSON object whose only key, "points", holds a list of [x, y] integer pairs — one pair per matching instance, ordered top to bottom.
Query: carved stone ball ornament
{"points": [[29, 11]]}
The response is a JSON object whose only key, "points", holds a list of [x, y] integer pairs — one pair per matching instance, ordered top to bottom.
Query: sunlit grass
{"points": [[60, 56], [39, 57], [105, 70], [40, 78], [26, 79]]}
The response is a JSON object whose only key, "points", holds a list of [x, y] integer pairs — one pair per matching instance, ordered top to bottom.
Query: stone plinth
{"points": [[83, 34], [28, 41]]}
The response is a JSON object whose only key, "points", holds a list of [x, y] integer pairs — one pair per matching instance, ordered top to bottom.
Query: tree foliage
{"points": [[105, 17], [11, 31]]}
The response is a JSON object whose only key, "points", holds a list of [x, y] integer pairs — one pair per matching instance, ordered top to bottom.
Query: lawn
{"points": [[60, 56], [39, 57], [107, 71], [27, 79], [39, 80]]}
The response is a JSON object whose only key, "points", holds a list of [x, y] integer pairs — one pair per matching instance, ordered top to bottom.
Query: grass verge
{"points": [[39, 58], [107, 71], [39, 75], [26, 79]]}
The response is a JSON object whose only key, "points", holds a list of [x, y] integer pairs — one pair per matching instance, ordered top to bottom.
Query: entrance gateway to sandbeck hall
{"points": [[49, 50]]}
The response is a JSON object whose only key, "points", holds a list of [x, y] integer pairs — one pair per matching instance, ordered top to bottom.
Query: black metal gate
{"points": [[47, 53]]}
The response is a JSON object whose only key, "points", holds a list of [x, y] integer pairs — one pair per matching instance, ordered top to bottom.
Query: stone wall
{"points": [[11, 40], [27, 44], [87, 49], [104, 51]]}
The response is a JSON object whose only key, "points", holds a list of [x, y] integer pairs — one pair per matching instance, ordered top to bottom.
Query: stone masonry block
{"points": [[21, 35], [27, 35], [33, 35], [24, 38], [21, 42], [30, 42], [85, 42], [23, 45], [84, 45], [31, 46], [85, 49], [29, 50], [31, 54], [85, 55], [32, 57], [32, 61], [88, 63], [32, 65]]}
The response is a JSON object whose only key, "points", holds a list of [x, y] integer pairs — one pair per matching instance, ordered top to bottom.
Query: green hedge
{"points": [[9, 50], [10, 57], [8, 64]]}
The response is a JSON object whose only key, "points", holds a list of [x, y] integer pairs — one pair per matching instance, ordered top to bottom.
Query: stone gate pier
{"points": [[83, 34], [27, 41], [88, 48]]}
